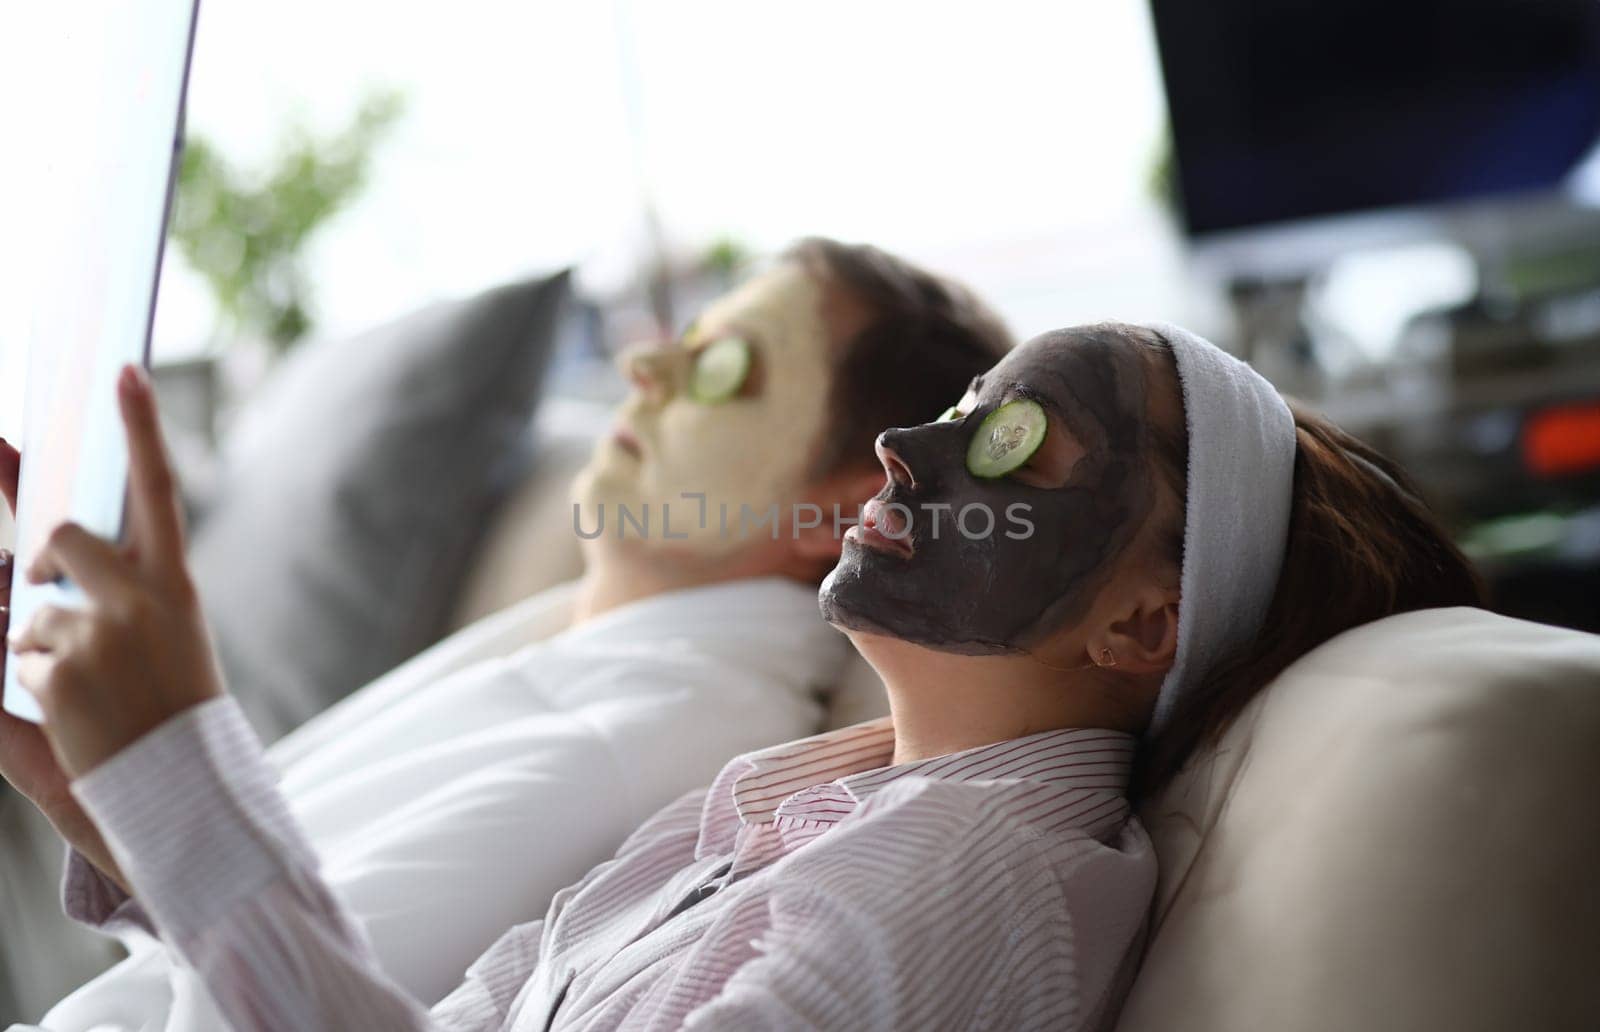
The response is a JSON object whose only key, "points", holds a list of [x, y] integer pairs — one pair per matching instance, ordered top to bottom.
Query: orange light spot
{"points": [[1562, 440]]}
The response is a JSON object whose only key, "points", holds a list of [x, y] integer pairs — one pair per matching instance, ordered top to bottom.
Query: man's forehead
{"points": [[779, 305]]}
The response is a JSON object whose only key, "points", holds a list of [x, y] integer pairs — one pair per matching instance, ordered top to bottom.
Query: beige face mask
{"points": [[746, 455]]}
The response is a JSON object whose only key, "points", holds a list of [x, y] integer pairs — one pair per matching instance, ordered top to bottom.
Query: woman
{"points": [[1083, 552]]}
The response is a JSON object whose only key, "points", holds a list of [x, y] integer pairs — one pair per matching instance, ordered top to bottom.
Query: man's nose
{"points": [[650, 369]]}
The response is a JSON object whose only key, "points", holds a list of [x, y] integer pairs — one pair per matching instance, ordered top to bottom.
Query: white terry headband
{"points": [[1236, 520]]}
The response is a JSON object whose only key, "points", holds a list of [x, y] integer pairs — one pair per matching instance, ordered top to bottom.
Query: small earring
{"points": [[1107, 658]]}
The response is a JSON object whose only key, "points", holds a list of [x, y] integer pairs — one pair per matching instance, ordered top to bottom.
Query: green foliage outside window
{"points": [[246, 233]]}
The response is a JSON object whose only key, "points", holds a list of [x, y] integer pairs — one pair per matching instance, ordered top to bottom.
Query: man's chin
{"points": [[605, 483], [613, 513]]}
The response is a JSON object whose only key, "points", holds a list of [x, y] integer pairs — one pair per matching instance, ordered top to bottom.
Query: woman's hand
{"points": [[138, 653], [25, 757], [26, 760]]}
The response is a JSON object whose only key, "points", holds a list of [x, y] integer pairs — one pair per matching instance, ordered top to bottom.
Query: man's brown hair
{"points": [[924, 339]]}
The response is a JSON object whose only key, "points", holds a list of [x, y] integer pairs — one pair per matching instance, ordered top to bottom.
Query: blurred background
{"points": [[1391, 208]]}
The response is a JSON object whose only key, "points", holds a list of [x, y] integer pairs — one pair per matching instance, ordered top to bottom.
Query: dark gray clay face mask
{"points": [[1006, 590]]}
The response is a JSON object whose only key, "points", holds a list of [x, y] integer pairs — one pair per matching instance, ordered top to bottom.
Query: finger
{"points": [[10, 472], [155, 517], [91, 562], [51, 629], [34, 670]]}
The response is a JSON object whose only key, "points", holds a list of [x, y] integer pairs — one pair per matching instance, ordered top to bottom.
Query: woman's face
{"points": [[995, 565]]}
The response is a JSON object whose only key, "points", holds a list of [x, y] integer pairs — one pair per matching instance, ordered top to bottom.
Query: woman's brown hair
{"points": [[1361, 546]]}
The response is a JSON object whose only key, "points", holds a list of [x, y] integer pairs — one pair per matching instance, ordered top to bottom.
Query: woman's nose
{"points": [[649, 369], [922, 456], [893, 465]]}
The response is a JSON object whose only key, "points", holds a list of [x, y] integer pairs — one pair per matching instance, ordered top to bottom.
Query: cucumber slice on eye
{"points": [[720, 369], [948, 414], [1006, 438]]}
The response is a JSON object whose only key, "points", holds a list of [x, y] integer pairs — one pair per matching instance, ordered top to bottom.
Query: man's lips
{"points": [[627, 440], [882, 529]]}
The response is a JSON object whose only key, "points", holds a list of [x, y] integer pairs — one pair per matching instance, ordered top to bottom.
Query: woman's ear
{"points": [[848, 490], [1143, 639]]}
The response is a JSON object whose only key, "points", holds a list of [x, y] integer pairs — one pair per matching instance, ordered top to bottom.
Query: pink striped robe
{"points": [[811, 887]]}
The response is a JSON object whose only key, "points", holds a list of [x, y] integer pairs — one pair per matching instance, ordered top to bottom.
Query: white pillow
{"points": [[1401, 833]]}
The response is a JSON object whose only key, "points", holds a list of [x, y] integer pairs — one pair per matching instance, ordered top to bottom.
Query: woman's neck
{"points": [[944, 702]]}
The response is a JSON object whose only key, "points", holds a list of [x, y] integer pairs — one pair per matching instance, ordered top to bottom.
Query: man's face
{"points": [[752, 449], [1086, 491]]}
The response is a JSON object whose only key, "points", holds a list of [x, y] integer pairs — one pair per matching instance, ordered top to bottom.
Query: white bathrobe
{"points": [[450, 799]]}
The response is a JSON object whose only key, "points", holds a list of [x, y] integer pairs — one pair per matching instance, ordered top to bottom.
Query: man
{"points": [[456, 795]]}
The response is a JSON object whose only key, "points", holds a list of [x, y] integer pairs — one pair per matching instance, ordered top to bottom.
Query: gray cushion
{"points": [[353, 491]]}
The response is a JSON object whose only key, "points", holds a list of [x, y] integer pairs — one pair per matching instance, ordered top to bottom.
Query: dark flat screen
{"points": [[1291, 109]]}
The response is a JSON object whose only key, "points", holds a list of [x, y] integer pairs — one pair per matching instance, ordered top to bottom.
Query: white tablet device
{"points": [[113, 73]]}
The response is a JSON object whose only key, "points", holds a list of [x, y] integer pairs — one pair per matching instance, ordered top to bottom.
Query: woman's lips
{"points": [[882, 529]]}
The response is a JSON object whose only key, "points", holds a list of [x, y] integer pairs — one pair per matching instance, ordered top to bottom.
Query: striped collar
{"points": [[824, 778]]}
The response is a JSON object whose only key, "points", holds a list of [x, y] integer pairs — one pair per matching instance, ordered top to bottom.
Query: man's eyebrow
{"points": [[690, 332], [744, 333], [702, 338]]}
